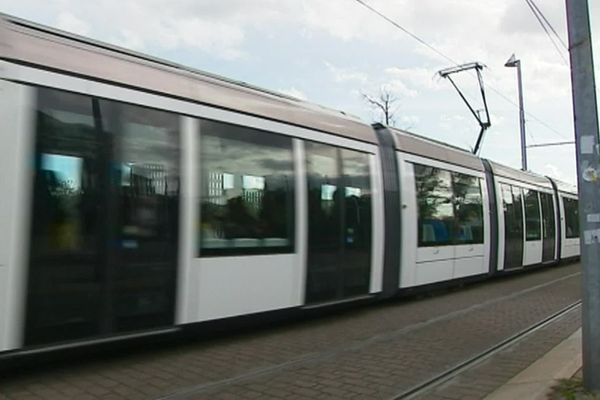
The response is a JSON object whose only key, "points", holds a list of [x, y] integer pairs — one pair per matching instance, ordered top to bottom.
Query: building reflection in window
{"points": [[247, 199]]}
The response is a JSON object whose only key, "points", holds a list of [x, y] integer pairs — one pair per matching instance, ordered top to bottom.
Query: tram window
{"points": [[148, 155], [66, 176], [247, 193], [357, 204], [435, 208], [468, 208], [513, 213], [532, 215], [547, 215], [571, 218], [339, 228]]}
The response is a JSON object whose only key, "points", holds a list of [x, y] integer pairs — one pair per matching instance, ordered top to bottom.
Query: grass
{"points": [[572, 389]]}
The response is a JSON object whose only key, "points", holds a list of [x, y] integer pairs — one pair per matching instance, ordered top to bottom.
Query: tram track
{"points": [[356, 346], [399, 350], [443, 377]]}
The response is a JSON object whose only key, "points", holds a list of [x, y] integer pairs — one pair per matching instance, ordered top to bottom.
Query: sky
{"points": [[333, 52]]}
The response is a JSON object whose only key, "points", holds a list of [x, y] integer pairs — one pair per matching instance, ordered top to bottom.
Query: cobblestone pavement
{"points": [[371, 352], [484, 378]]}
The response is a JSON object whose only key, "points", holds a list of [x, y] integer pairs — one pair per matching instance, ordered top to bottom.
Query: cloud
{"points": [[70, 23], [341, 49], [346, 75], [415, 77], [398, 87], [293, 92]]}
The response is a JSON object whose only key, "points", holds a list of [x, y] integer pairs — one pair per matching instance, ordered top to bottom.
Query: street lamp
{"points": [[512, 62]]}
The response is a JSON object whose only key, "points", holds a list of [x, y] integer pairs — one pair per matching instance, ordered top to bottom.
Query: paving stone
{"points": [[369, 352]]}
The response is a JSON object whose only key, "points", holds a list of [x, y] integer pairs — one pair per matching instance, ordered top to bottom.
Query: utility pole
{"points": [[512, 62], [588, 179]]}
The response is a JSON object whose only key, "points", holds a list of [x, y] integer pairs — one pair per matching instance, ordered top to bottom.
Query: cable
{"points": [[535, 13], [397, 25], [549, 25], [424, 43]]}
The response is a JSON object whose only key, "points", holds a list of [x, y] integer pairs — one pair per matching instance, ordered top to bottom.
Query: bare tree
{"points": [[384, 102]]}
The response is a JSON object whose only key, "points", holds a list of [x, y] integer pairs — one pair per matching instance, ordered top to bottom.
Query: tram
{"points": [[141, 196]]}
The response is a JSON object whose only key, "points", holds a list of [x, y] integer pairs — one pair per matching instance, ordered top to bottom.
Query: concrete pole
{"points": [[522, 119], [588, 179]]}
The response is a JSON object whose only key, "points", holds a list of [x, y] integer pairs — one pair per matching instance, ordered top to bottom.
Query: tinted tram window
{"points": [[145, 188], [247, 192], [434, 203], [468, 208], [532, 215], [571, 217], [357, 221], [104, 222], [339, 223], [513, 226], [548, 227], [65, 270]]}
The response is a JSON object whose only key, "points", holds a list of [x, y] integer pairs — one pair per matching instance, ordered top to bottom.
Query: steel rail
{"points": [[471, 362], [189, 392]]}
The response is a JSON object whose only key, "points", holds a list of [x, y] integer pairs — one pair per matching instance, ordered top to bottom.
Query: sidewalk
{"points": [[535, 382]]}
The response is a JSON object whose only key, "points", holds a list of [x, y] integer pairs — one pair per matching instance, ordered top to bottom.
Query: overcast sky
{"points": [[330, 51]]}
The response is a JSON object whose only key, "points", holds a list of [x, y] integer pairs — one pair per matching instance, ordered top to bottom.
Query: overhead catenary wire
{"points": [[539, 16], [549, 25], [409, 33], [446, 57]]}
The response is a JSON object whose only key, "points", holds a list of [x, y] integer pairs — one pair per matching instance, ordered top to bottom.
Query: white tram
{"points": [[141, 197]]}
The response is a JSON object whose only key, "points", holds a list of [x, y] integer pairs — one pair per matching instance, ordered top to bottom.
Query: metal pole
{"points": [[522, 119], [588, 179]]}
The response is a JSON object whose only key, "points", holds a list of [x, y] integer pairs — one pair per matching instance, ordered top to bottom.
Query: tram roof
{"points": [[44, 47], [422, 146]]}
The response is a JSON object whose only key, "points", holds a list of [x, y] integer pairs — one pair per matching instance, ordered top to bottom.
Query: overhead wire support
{"points": [[436, 51], [483, 123], [550, 144]]}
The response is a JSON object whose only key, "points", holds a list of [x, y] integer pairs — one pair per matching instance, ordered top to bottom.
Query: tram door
{"points": [[104, 219], [339, 223], [513, 226], [548, 227]]}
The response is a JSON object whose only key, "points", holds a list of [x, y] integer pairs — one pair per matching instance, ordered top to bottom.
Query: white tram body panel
{"points": [[16, 144], [444, 260]]}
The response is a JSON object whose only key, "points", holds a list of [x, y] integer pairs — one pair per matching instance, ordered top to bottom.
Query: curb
{"points": [[536, 380]]}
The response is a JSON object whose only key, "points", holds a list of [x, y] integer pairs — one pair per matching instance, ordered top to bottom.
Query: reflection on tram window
{"points": [[148, 150], [66, 175], [62, 177], [327, 192], [247, 200], [434, 202], [468, 206], [450, 207], [513, 214], [532, 215], [547, 215], [571, 218], [339, 229]]}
